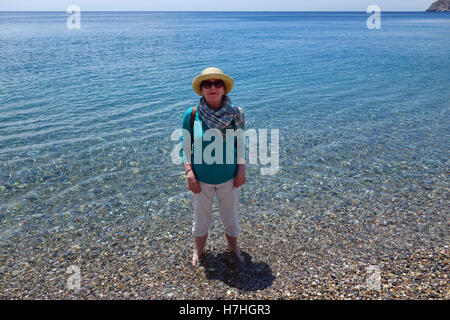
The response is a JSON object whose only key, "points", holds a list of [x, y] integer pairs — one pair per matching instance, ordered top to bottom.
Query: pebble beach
{"points": [[293, 252]]}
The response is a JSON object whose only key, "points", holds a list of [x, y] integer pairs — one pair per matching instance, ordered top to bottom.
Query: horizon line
{"points": [[213, 11]]}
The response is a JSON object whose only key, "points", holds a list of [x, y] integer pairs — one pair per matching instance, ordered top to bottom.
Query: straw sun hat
{"points": [[212, 73]]}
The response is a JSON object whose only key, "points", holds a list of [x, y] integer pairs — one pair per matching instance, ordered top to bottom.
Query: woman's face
{"points": [[213, 95]]}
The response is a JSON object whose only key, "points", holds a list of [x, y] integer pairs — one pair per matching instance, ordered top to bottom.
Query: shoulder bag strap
{"points": [[194, 110]]}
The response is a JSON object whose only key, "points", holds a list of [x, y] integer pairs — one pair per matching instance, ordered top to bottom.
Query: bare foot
{"points": [[195, 258]]}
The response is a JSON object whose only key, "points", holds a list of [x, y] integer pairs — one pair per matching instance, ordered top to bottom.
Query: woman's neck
{"points": [[215, 107]]}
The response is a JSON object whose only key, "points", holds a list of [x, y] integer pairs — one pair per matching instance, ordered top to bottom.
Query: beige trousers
{"points": [[228, 197]]}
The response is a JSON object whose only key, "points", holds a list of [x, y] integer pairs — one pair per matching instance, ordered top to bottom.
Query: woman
{"points": [[222, 177]]}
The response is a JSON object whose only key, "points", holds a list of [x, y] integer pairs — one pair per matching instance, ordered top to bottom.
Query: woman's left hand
{"points": [[239, 179]]}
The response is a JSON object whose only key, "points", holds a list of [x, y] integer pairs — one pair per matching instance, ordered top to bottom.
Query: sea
{"points": [[88, 115]]}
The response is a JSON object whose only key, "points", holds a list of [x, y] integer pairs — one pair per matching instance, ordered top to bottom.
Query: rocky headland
{"points": [[440, 6]]}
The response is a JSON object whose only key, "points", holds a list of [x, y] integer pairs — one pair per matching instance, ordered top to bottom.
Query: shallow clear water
{"points": [[86, 115]]}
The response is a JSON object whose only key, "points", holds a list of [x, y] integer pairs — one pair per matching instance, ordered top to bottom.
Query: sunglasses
{"points": [[207, 84]]}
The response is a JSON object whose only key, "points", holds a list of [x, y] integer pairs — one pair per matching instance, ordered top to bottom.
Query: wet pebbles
{"points": [[293, 250]]}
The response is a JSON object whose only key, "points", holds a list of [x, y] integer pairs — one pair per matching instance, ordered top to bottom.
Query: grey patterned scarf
{"points": [[221, 119]]}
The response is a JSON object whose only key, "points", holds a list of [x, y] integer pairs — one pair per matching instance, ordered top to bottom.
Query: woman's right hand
{"points": [[193, 183]]}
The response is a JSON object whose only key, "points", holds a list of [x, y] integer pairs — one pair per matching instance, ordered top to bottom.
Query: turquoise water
{"points": [[86, 115]]}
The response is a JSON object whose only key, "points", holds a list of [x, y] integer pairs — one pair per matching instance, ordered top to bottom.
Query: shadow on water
{"points": [[246, 276]]}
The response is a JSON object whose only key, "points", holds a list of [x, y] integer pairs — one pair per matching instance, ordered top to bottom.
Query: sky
{"points": [[208, 5]]}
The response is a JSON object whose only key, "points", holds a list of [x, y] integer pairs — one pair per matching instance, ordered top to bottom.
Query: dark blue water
{"points": [[86, 115]]}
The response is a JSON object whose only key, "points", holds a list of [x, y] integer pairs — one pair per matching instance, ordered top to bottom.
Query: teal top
{"points": [[218, 171]]}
